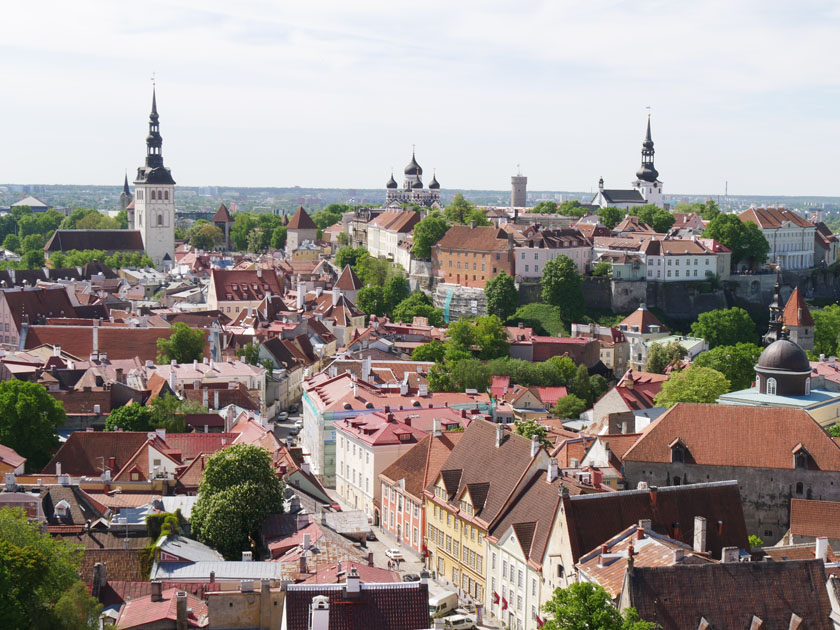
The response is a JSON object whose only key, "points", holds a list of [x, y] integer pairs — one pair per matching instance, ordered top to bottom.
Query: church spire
{"points": [[154, 142], [647, 172], [126, 189], [775, 328]]}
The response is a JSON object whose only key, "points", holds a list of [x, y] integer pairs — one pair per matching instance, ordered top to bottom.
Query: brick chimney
{"points": [[699, 534], [157, 589], [181, 610]]}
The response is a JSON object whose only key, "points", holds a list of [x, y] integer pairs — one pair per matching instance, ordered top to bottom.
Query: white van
{"points": [[442, 604]]}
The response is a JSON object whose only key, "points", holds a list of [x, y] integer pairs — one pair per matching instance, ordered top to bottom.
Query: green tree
{"points": [[544, 207], [571, 208], [459, 210], [330, 215], [610, 216], [477, 218], [660, 219], [243, 224], [427, 232], [207, 237], [278, 237], [745, 239], [255, 241], [11, 242], [32, 242], [349, 256], [33, 259], [602, 268], [374, 271], [562, 286], [396, 290], [502, 296], [371, 300], [417, 305], [725, 327], [827, 330], [461, 334], [491, 337], [184, 345], [432, 351], [250, 353], [661, 355], [736, 363], [564, 367], [469, 374], [581, 385], [598, 385], [696, 385], [569, 407], [170, 411], [133, 417], [29, 418], [529, 428], [239, 490], [755, 541], [39, 584], [587, 606]]}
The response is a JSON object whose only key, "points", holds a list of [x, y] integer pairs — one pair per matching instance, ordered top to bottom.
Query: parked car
{"points": [[292, 408], [283, 416], [299, 423], [294, 431], [371, 536], [394, 554], [411, 577], [442, 604], [459, 622]]}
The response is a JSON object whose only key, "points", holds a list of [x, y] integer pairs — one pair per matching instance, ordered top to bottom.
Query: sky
{"points": [[334, 94]]}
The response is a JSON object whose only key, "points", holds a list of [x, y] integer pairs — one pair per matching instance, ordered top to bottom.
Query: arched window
{"points": [[153, 195], [166, 195], [160, 219], [771, 386], [808, 386], [799, 488]]}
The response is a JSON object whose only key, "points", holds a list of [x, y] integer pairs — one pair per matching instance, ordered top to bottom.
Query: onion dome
{"points": [[413, 167], [647, 173], [391, 182], [418, 185], [434, 185]]}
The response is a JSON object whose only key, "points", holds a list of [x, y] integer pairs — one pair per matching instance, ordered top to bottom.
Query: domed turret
{"points": [[413, 167], [647, 172], [392, 183], [434, 185], [783, 369]]}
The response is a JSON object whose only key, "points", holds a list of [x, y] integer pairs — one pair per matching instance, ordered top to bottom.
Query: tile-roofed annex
{"points": [[773, 218], [396, 220], [301, 221], [483, 238], [106, 240], [348, 280], [248, 285], [34, 304], [796, 311], [640, 321], [118, 342], [715, 435], [9, 457], [476, 459], [421, 464], [592, 519], [812, 519], [606, 564], [732, 595], [403, 606], [148, 612]]}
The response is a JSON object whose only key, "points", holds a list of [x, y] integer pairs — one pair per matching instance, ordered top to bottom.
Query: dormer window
{"points": [[677, 452], [801, 460], [62, 509]]}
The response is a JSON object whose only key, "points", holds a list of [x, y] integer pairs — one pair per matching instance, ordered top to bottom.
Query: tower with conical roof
{"points": [[647, 177], [125, 196], [154, 198], [798, 321]]}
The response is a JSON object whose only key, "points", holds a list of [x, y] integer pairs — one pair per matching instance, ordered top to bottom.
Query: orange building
{"points": [[470, 256]]}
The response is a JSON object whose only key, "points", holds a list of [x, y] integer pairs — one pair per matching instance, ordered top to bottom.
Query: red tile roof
{"points": [[222, 215], [772, 218], [397, 220], [301, 221], [462, 237], [106, 240], [348, 280], [249, 285], [796, 311], [640, 321], [715, 435], [10, 457], [421, 464], [815, 518], [143, 612]]}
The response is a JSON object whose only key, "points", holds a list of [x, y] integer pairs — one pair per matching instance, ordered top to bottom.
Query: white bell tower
{"points": [[154, 199]]}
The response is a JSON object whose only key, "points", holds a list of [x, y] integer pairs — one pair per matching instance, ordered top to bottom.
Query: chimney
{"points": [[259, 272], [336, 294], [95, 330], [56, 351], [366, 368], [216, 399], [436, 428], [161, 433], [500, 435], [535, 445], [58, 469], [552, 472], [597, 476], [652, 494], [645, 523], [677, 532], [640, 533], [699, 534], [306, 541], [821, 551], [603, 553], [679, 554], [730, 554], [247, 556], [370, 558], [303, 566], [212, 577], [424, 577], [100, 578], [352, 583], [157, 589], [319, 613]]}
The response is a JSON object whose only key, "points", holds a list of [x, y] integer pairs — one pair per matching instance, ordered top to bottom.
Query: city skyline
{"points": [[331, 96]]}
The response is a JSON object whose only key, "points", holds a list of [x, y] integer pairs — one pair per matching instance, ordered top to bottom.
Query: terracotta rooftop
{"points": [[222, 215], [773, 218], [301, 221], [462, 237], [106, 240], [348, 280], [249, 285], [796, 311], [640, 321], [714, 435], [10, 457], [421, 464], [815, 518], [145, 613]]}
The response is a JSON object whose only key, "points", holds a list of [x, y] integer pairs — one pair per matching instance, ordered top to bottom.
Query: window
{"points": [[166, 195], [160, 219], [526, 269], [771, 386], [807, 386], [802, 461], [799, 488], [449, 519], [414, 536], [449, 544], [455, 548], [493, 562], [479, 564], [504, 569], [454, 575], [519, 579], [534, 587]]}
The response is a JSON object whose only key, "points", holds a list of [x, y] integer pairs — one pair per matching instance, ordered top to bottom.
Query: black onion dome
{"points": [[413, 167], [647, 173], [391, 182], [417, 185], [433, 185], [784, 355]]}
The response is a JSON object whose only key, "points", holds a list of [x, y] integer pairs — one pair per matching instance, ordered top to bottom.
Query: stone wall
{"points": [[627, 295]]}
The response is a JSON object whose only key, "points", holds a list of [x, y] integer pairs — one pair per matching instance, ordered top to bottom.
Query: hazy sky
{"points": [[333, 94]]}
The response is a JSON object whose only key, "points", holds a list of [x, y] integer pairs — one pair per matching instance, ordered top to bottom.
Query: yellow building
{"points": [[473, 487]]}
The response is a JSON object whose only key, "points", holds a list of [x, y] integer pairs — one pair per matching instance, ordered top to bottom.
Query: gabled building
{"points": [[224, 221], [301, 228], [387, 231], [791, 237], [545, 245], [826, 245], [470, 256], [231, 291], [640, 327], [634, 392], [697, 443]]}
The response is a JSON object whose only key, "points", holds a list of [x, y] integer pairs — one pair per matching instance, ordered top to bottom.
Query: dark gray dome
{"points": [[413, 167], [647, 173], [391, 182], [434, 183], [418, 185], [784, 355]]}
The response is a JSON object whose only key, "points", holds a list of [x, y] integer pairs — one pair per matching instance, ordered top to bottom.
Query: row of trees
{"points": [[118, 260], [165, 412]]}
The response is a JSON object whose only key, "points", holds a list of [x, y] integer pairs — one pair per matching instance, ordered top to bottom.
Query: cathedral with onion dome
{"points": [[412, 190]]}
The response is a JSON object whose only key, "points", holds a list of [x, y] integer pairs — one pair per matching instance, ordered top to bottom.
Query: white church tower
{"points": [[647, 177], [154, 199]]}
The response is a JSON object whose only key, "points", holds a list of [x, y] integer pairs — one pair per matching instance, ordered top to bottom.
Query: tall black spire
{"points": [[154, 157], [154, 172], [647, 172], [126, 189], [775, 328]]}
